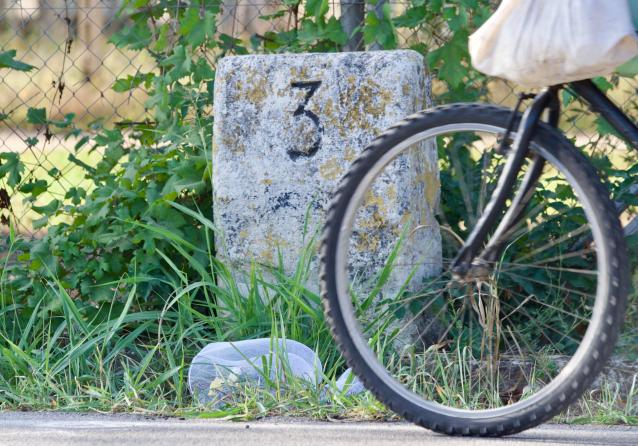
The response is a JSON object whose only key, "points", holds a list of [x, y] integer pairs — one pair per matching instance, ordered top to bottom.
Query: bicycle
{"points": [[513, 308]]}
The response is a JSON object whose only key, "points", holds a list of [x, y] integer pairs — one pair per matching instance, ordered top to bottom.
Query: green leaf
{"points": [[434, 5], [317, 8], [411, 17], [456, 18], [190, 25], [197, 28], [380, 29], [334, 32], [134, 37], [161, 42], [449, 57], [7, 60], [180, 62], [628, 69], [202, 71], [130, 82], [603, 83], [567, 97], [37, 116], [66, 122], [605, 128], [78, 162], [11, 165], [34, 188], [76, 195], [48, 209], [39, 223]]}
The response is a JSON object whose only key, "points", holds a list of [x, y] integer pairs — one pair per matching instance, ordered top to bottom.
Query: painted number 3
{"points": [[311, 88]]}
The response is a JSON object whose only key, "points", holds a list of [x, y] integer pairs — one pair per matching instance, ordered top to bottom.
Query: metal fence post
{"points": [[352, 16]]}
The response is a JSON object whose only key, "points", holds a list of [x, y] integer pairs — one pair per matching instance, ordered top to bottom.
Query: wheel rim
{"points": [[378, 365]]}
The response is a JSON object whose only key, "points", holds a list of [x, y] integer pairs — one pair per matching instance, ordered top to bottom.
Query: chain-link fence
{"points": [[67, 41], [75, 67]]}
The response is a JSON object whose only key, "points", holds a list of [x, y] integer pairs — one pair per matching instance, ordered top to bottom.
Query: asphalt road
{"points": [[48, 429]]}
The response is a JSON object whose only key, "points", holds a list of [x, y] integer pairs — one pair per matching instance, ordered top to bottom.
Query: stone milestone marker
{"points": [[287, 127]]}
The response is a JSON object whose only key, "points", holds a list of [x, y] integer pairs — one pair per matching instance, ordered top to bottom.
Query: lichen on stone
{"points": [[263, 197]]}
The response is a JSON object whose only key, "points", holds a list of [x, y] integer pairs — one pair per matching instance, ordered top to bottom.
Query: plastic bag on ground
{"points": [[539, 43], [220, 366], [349, 383]]}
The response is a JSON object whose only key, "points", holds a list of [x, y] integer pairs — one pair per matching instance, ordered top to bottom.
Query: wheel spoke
{"points": [[497, 334]]}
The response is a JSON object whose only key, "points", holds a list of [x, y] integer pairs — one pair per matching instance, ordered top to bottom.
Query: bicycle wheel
{"points": [[489, 354]]}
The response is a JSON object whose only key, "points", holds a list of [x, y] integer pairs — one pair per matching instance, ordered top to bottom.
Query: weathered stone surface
{"points": [[287, 128]]}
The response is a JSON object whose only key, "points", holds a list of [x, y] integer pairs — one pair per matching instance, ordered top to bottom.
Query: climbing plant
{"points": [[98, 234]]}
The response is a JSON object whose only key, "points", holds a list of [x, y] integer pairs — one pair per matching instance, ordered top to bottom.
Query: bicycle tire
{"points": [[610, 298]]}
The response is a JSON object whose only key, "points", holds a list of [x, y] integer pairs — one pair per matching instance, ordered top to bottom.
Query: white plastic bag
{"points": [[539, 43], [220, 366]]}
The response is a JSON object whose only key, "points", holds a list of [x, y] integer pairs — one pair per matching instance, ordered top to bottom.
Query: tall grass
{"points": [[54, 354], [128, 357]]}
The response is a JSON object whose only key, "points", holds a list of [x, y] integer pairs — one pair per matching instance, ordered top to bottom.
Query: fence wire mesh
{"points": [[68, 43], [75, 67]]}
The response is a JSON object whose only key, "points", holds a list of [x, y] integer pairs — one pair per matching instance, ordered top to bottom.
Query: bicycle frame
{"points": [[602, 105], [468, 261]]}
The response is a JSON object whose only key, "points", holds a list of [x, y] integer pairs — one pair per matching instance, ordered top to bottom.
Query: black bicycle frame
{"points": [[601, 104], [468, 260]]}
